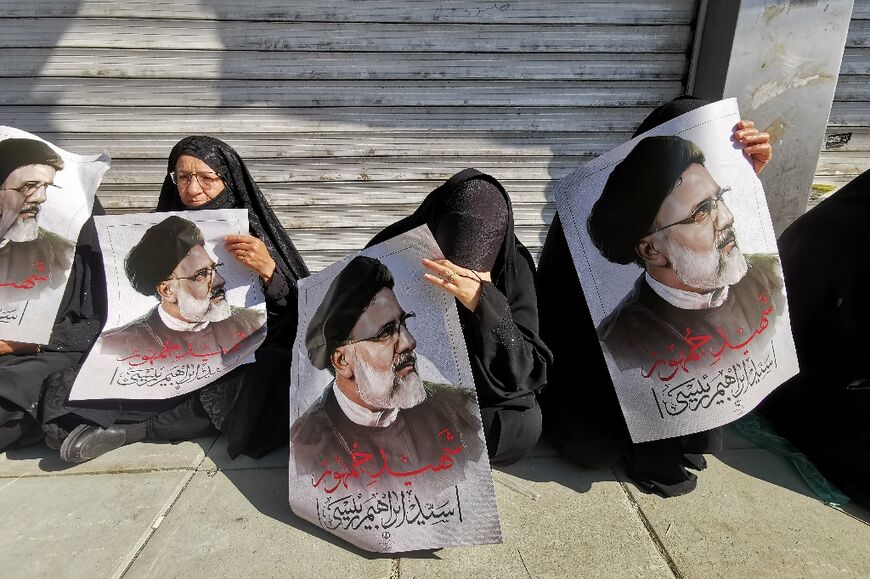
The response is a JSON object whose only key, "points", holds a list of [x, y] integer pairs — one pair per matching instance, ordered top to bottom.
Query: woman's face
{"points": [[197, 183]]}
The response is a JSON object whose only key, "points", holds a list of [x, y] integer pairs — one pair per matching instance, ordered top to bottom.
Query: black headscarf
{"points": [[240, 192], [431, 212]]}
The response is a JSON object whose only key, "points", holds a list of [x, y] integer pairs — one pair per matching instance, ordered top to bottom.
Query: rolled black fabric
{"points": [[670, 110], [17, 152], [241, 191], [634, 191], [163, 246], [348, 297]]}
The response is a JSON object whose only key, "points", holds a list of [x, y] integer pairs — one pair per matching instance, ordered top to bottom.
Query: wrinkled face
{"points": [[32, 181], [197, 183], [704, 254], [199, 288], [385, 369]]}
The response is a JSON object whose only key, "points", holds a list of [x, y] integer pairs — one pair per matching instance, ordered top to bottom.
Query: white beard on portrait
{"points": [[23, 230], [710, 269], [203, 310], [386, 389]]}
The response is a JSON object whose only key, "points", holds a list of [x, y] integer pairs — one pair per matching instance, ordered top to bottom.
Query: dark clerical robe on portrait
{"points": [[27, 267], [643, 327], [148, 335], [323, 438]]}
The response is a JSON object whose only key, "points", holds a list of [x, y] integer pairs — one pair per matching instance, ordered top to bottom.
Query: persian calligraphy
{"points": [[30, 281], [701, 348], [174, 352], [175, 375], [727, 385], [332, 480], [387, 510]]}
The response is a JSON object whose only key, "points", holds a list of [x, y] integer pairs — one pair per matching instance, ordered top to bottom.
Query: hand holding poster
{"points": [[46, 195], [674, 247], [182, 311], [386, 443]]}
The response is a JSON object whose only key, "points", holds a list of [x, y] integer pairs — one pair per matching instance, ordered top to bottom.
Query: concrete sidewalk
{"points": [[187, 510]]}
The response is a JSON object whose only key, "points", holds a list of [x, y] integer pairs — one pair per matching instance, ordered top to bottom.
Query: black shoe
{"points": [[87, 442]]}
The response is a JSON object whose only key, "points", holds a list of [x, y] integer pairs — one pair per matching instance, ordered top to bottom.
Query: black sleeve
{"points": [[278, 290], [82, 311], [509, 359]]}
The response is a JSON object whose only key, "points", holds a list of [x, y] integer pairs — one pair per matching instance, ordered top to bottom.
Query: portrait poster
{"points": [[46, 195], [674, 247], [182, 311], [386, 441]]}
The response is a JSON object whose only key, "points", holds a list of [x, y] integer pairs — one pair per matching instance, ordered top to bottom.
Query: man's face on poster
{"points": [[26, 188], [696, 234], [195, 290], [380, 358]]}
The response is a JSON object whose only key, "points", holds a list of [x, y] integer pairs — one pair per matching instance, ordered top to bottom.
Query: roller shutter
{"points": [[347, 112]]}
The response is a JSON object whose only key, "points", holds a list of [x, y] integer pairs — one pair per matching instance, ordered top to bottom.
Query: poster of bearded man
{"points": [[46, 196], [674, 247], [182, 311], [386, 441]]}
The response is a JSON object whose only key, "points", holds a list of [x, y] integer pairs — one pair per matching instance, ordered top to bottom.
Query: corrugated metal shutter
{"points": [[347, 112], [846, 151]]}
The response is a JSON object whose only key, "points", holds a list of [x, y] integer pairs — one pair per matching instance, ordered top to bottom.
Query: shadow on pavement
{"points": [[267, 490]]}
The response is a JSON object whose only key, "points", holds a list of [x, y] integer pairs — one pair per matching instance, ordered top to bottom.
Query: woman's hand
{"points": [[755, 143], [252, 253], [463, 284], [10, 347]]}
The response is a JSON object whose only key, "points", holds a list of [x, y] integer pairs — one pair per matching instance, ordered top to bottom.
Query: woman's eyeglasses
{"points": [[207, 180]]}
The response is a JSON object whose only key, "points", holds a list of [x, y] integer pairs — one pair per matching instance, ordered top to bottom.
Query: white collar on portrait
{"points": [[687, 300], [179, 325], [362, 415]]}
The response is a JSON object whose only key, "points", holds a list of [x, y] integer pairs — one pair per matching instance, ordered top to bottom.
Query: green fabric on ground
{"points": [[759, 431]]}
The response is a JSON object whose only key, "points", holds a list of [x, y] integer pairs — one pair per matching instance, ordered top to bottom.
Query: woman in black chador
{"points": [[491, 274], [250, 404], [825, 409], [582, 412]]}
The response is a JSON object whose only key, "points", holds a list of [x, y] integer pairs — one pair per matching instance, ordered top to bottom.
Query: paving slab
{"points": [[142, 456], [218, 458], [752, 516], [557, 520], [237, 523], [79, 526]]}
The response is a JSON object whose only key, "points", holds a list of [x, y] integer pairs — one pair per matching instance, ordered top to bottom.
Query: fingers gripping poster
{"points": [[46, 195], [674, 247], [182, 311], [386, 442]]}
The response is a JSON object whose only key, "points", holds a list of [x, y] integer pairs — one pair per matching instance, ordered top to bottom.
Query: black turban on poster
{"points": [[15, 153], [634, 191], [163, 246], [351, 292]]}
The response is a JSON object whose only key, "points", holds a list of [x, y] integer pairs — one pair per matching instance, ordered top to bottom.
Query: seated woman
{"points": [[491, 274], [24, 367], [249, 404], [824, 410], [582, 413]]}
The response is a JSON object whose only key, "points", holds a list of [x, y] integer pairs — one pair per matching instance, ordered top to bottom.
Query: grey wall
{"points": [[782, 65], [846, 149]]}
